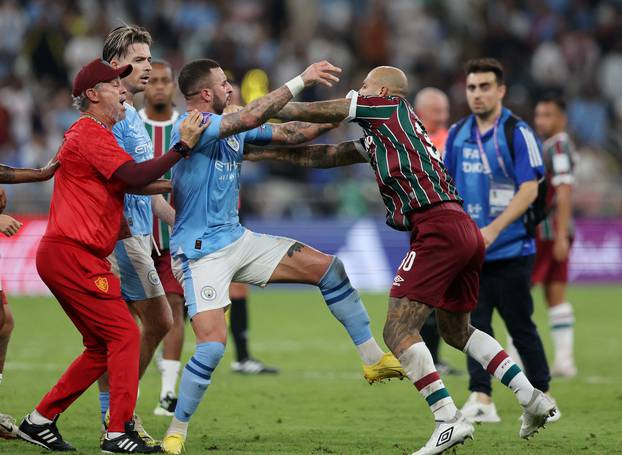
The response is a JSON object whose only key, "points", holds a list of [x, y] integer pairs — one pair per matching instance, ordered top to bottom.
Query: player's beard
{"points": [[219, 105], [486, 114]]}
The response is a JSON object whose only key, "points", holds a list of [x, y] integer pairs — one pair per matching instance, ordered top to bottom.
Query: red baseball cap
{"points": [[95, 72]]}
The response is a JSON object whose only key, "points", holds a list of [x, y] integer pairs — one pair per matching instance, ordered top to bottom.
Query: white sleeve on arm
{"points": [[353, 96]]}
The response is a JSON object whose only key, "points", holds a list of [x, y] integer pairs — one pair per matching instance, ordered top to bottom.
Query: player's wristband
{"points": [[296, 85], [182, 148]]}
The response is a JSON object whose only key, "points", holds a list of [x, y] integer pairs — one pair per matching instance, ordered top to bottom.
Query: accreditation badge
{"points": [[499, 198]]}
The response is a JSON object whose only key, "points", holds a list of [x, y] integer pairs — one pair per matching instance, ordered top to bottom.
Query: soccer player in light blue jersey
{"points": [[211, 248], [131, 259]]}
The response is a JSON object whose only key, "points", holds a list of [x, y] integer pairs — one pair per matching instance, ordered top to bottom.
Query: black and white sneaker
{"points": [[252, 366], [166, 406], [46, 435], [128, 442]]}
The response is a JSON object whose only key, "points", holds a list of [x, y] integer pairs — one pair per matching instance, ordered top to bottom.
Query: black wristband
{"points": [[182, 148]]}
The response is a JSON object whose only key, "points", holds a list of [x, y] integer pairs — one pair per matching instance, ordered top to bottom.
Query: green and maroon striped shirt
{"points": [[160, 134], [558, 155], [409, 170]]}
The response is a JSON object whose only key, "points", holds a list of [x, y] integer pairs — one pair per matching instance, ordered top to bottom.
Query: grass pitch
{"points": [[319, 403]]}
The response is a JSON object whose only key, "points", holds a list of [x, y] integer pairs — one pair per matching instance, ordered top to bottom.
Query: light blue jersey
{"points": [[133, 138], [206, 190]]}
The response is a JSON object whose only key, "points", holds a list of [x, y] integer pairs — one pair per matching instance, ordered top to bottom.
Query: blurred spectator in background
{"points": [[573, 46], [432, 107]]}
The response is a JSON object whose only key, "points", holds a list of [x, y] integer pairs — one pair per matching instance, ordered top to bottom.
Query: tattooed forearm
{"points": [[320, 111], [255, 113], [292, 133], [317, 156], [7, 174], [404, 320]]}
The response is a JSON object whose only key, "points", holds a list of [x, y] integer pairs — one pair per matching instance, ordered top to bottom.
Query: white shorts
{"points": [[250, 259], [132, 263]]}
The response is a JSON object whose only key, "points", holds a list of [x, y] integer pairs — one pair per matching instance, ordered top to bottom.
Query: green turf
{"points": [[320, 404]]}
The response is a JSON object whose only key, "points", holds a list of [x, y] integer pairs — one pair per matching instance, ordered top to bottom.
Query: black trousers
{"points": [[506, 286]]}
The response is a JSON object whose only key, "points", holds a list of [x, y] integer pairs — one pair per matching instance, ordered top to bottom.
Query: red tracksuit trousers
{"points": [[91, 296]]}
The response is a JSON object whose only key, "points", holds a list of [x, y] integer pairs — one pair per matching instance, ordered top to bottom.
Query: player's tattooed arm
{"points": [[264, 108], [319, 111], [255, 113], [293, 133], [318, 156], [10, 174]]}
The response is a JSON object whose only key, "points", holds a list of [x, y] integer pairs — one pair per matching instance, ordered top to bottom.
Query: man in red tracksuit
{"points": [[84, 222]]}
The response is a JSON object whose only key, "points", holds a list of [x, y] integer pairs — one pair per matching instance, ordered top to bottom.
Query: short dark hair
{"points": [[121, 38], [162, 62], [485, 65], [195, 74], [552, 97]]}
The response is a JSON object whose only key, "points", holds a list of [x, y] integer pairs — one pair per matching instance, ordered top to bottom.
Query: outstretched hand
{"points": [[323, 73], [192, 127], [50, 168], [9, 225]]}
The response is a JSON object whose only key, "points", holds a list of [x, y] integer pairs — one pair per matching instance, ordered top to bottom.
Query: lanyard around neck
{"points": [[482, 152]]}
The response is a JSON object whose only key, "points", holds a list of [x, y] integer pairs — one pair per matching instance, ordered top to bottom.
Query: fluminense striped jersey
{"points": [[160, 133], [558, 154], [409, 170]]}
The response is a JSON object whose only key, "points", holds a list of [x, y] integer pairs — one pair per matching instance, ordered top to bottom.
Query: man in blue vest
{"points": [[496, 162]]}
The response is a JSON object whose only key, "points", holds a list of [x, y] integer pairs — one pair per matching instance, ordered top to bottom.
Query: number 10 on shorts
{"points": [[408, 261]]}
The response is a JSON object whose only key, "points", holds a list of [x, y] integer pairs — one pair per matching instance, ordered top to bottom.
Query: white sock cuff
{"points": [[563, 309], [561, 315], [472, 339], [482, 347], [370, 351], [417, 361], [170, 364], [38, 419], [178, 427]]}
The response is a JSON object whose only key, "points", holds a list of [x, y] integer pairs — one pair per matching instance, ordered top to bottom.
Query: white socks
{"points": [[561, 320], [369, 351], [489, 353], [419, 366], [170, 373], [37, 419], [178, 427]]}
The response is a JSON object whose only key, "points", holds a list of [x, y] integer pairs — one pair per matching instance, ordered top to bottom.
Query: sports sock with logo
{"points": [[345, 304], [489, 353], [419, 366], [196, 377]]}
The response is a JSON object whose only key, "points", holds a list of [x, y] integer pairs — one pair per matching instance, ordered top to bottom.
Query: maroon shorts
{"points": [[443, 265], [546, 269], [165, 272]]}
